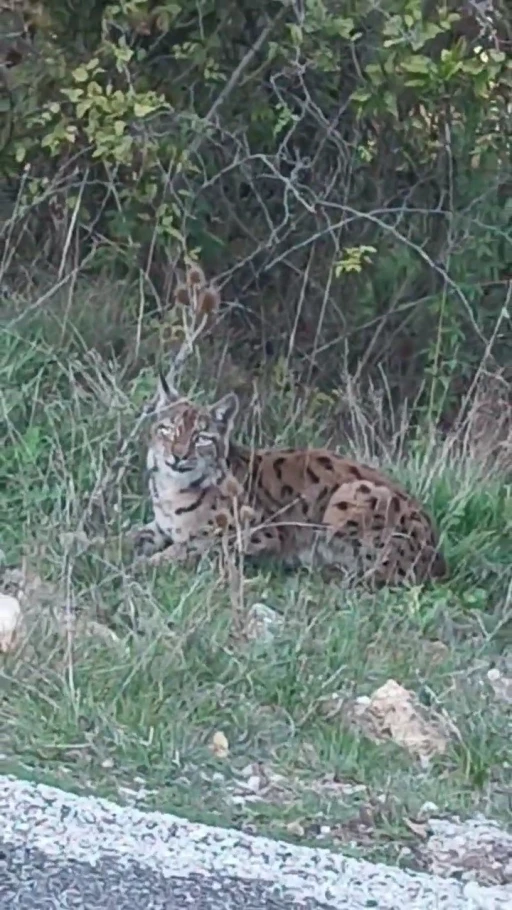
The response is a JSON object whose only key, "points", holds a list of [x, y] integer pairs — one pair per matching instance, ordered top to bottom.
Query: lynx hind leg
{"points": [[360, 505], [359, 519], [258, 538], [263, 540], [395, 542]]}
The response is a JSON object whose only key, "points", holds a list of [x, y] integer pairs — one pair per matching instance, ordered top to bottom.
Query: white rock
{"points": [[10, 621], [262, 622], [501, 685], [247, 770], [428, 809]]}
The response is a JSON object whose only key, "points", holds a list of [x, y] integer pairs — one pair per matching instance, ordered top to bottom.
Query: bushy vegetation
{"points": [[344, 171]]}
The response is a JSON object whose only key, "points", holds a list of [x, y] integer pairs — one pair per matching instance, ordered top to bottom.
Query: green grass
{"points": [[137, 708]]}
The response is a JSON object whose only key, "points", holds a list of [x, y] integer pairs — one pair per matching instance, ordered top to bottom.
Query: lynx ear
{"points": [[167, 394], [224, 411]]}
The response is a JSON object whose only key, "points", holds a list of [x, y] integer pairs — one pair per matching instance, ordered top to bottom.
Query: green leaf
{"points": [[343, 27], [417, 64], [80, 74], [74, 94], [360, 96], [390, 103], [82, 107], [141, 109]]}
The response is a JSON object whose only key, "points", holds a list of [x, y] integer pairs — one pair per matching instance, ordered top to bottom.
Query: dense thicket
{"points": [[343, 167]]}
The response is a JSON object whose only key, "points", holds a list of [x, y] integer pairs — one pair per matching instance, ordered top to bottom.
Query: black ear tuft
{"points": [[167, 394], [224, 411]]}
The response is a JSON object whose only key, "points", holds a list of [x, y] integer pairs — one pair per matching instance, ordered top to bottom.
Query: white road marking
{"points": [[89, 830]]}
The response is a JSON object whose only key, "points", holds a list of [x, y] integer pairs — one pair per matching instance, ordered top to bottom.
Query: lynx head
{"points": [[189, 443]]}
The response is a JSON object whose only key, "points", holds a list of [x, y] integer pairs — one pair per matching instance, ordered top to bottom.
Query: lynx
{"points": [[307, 507]]}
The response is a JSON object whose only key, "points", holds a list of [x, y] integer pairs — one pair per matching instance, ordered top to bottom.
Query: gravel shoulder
{"points": [[94, 853]]}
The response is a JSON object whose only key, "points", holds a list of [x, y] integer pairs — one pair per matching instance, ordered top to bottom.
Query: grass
{"points": [[125, 700]]}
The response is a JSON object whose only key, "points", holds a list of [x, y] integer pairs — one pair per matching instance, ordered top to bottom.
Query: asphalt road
{"points": [[58, 850], [29, 880]]}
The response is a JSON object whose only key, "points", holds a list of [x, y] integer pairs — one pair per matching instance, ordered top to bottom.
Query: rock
{"points": [[10, 622]]}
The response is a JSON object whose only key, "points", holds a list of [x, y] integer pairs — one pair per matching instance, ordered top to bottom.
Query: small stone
{"points": [[10, 622], [262, 622], [500, 684], [220, 744], [428, 809], [295, 829]]}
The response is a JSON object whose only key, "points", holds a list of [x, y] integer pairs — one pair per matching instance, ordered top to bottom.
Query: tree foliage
{"points": [[346, 166]]}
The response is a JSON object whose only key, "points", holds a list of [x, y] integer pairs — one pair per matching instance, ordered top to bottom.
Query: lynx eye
{"points": [[164, 430], [203, 440]]}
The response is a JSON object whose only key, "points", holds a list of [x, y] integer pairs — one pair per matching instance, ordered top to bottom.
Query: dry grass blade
{"points": [[199, 302]]}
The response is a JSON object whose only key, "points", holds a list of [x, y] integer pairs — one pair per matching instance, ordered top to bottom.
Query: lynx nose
{"points": [[181, 447]]}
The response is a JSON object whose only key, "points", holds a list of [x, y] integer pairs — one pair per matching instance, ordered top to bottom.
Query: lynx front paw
{"points": [[146, 542], [174, 553], [156, 559]]}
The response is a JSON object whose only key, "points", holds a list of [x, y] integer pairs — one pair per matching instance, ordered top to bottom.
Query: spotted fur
{"points": [[305, 506]]}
